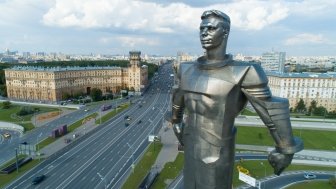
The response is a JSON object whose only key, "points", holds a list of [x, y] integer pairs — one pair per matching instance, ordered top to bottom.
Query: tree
{"points": [[3, 90], [96, 94], [66, 96], [6, 105], [300, 106], [312, 107], [25, 110], [321, 111], [332, 182]]}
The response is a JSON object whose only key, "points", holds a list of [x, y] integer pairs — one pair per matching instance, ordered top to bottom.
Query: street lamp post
{"points": [[100, 115], [152, 134], [37, 145], [131, 147], [17, 163], [262, 164], [103, 179]]}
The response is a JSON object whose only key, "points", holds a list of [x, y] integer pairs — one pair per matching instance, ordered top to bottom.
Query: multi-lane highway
{"points": [[7, 147], [104, 158]]}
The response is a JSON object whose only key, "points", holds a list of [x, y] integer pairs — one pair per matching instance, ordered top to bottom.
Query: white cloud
{"points": [[312, 8], [254, 14], [131, 15], [158, 18], [306, 38], [130, 41]]}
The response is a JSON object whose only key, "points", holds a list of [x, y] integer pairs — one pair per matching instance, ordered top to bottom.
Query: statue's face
{"points": [[211, 33]]}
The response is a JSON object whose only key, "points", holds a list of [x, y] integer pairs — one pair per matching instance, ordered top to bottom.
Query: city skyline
{"points": [[300, 28]]}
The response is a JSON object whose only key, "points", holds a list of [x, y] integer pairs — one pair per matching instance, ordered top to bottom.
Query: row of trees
{"points": [[313, 109]]}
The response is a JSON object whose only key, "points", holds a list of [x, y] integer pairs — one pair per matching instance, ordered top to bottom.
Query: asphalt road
{"points": [[7, 148], [106, 156], [283, 181], [270, 182]]}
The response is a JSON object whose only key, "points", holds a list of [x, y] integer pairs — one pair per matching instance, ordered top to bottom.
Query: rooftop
{"points": [[56, 69], [303, 75]]}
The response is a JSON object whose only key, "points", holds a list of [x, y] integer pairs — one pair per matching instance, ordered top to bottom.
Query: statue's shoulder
{"points": [[183, 67], [255, 76]]}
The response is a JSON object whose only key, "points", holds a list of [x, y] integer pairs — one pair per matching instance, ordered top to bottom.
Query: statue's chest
{"points": [[211, 83]]}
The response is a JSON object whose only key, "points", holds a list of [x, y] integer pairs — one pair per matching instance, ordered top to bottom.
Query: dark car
{"points": [[139, 121], [126, 124], [38, 179]]}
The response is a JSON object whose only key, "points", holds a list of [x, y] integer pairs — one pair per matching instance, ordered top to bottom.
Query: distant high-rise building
{"points": [[25, 54], [40, 54], [273, 61]]}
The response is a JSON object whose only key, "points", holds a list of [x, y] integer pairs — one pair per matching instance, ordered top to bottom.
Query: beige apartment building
{"points": [[30, 83], [320, 87]]}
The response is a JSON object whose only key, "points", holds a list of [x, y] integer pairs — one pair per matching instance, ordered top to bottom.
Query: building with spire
{"points": [[30, 83]]}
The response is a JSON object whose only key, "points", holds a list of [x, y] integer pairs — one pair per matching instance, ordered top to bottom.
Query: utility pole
{"points": [[131, 147], [17, 163], [103, 179]]}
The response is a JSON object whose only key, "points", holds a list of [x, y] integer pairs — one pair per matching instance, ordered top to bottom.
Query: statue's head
{"points": [[214, 29]]}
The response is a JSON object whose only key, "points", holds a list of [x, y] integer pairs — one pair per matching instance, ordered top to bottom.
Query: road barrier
{"points": [[11, 126]]}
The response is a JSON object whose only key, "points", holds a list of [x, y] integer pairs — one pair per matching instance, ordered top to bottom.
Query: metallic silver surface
{"points": [[212, 92]]}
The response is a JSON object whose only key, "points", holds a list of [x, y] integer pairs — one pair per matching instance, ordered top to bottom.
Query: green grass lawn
{"points": [[248, 112], [9, 115], [80, 122], [71, 128], [323, 140], [46, 142], [143, 167], [257, 169], [170, 171], [6, 179], [311, 184]]}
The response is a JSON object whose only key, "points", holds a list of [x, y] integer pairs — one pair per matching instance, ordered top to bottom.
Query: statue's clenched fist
{"points": [[279, 161]]}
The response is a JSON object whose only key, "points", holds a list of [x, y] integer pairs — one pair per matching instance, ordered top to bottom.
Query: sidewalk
{"points": [[77, 133], [61, 141], [169, 150], [313, 153]]}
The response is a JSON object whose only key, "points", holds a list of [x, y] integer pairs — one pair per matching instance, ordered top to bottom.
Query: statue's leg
{"points": [[189, 163], [214, 166]]}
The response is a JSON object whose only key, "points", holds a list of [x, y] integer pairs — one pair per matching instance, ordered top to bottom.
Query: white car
{"points": [[7, 135], [309, 176]]}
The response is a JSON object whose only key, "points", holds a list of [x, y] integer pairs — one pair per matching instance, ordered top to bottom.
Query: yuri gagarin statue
{"points": [[212, 91]]}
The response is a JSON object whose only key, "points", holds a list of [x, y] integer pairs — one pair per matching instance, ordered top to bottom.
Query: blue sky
{"points": [[164, 27]]}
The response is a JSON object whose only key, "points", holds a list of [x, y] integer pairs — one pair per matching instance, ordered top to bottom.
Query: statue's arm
{"points": [[177, 106], [274, 112], [175, 116]]}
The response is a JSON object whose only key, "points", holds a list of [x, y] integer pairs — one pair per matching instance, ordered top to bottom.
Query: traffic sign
{"points": [[247, 179]]}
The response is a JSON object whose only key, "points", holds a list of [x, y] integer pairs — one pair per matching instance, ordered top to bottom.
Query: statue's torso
{"points": [[212, 97]]}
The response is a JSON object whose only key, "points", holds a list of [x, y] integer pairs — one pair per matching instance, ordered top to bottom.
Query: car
{"points": [[86, 110], [139, 121], [126, 124], [7, 135], [309, 176], [38, 179]]}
